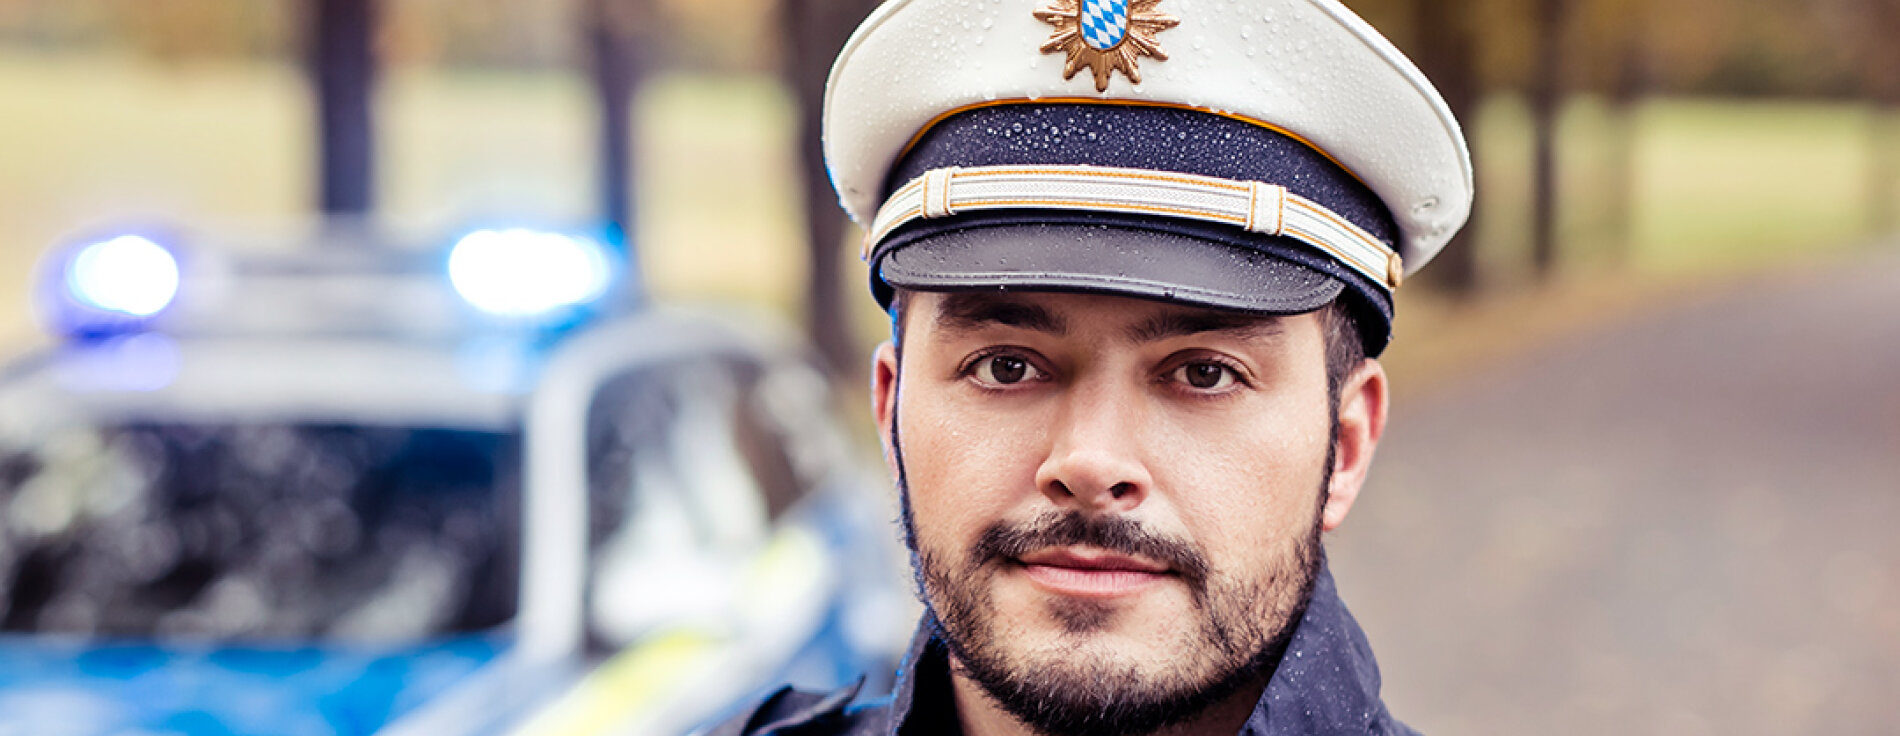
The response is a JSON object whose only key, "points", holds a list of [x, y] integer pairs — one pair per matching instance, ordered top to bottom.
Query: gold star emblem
{"points": [[1105, 47]]}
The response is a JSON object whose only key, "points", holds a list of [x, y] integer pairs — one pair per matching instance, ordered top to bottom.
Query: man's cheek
{"points": [[972, 453]]}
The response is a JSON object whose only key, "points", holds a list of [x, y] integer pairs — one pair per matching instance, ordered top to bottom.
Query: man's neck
{"points": [[980, 715]]}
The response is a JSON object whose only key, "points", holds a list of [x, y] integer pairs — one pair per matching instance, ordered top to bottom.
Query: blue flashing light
{"points": [[525, 273], [128, 275]]}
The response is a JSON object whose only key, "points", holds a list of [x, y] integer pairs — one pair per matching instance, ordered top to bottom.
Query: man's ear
{"points": [[884, 397], [1362, 407]]}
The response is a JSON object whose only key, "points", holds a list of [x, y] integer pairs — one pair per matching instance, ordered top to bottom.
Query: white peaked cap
{"points": [[1307, 68]]}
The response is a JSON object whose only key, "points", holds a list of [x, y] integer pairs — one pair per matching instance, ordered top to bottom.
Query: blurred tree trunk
{"points": [[614, 30], [815, 32], [1447, 55], [342, 65], [1882, 69], [1627, 89], [1546, 98], [1883, 166]]}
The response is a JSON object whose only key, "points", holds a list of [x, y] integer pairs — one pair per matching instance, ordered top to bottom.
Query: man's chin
{"points": [[1123, 634], [1078, 655], [1069, 665], [1067, 684]]}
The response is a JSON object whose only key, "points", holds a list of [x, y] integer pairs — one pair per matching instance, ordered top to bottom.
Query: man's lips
{"points": [[1090, 573]]}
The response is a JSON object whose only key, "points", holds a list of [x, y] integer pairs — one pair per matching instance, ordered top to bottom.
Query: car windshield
{"points": [[259, 531]]}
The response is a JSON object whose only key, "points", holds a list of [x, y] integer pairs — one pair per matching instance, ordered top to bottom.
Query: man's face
{"points": [[1115, 503]]}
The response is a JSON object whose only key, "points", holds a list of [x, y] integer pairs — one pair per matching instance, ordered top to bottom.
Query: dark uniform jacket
{"points": [[1326, 683]]}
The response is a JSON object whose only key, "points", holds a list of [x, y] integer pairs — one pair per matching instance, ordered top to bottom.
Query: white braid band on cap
{"points": [[1251, 205]]}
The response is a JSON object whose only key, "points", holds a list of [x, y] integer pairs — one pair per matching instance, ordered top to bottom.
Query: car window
{"points": [[689, 463], [268, 531]]}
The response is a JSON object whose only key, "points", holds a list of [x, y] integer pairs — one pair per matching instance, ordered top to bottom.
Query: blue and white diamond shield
{"points": [[1104, 23]]}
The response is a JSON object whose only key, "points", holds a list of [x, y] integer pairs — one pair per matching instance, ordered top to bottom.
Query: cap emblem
{"points": [[1105, 36]]}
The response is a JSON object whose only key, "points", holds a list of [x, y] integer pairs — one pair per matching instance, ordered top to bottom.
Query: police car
{"points": [[359, 488]]}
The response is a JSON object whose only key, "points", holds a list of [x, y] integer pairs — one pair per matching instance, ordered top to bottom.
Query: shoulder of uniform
{"points": [[792, 712]]}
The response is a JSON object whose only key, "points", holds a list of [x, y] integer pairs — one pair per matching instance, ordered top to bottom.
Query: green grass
{"points": [[1744, 183], [1714, 185]]}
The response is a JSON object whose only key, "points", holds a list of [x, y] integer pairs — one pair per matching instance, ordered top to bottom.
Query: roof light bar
{"points": [[526, 273]]}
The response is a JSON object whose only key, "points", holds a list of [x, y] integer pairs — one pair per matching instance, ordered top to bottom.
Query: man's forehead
{"points": [[1061, 313]]}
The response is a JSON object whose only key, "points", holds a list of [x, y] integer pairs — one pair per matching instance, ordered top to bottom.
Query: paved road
{"points": [[1685, 524]]}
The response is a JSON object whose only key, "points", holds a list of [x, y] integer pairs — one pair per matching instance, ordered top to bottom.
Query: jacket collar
{"points": [[1327, 682]]}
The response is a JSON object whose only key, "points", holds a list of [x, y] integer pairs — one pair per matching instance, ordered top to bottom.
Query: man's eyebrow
{"points": [[963, 312], [1181, 324]]}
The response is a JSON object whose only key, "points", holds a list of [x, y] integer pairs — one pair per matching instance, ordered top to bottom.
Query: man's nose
{"points": [[1095, 460]]}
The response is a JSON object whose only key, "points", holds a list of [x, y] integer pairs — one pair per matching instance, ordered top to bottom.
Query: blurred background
{"points": [[1641, 475]]}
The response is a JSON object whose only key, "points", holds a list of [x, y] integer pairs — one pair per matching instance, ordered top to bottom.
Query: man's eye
{"points": [[1005, 370], [1205, 375]]}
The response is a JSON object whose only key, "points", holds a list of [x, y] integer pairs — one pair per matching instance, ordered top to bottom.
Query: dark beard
{"points": [[1243, 626]]}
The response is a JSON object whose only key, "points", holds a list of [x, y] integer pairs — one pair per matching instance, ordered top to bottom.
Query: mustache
{"points": [[1006, 541]]}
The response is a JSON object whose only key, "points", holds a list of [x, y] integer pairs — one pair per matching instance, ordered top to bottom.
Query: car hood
{"points": [[60, 688]]}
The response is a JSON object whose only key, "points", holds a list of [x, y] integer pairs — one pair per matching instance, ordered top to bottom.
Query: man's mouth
{"points": [[1088, 572]]}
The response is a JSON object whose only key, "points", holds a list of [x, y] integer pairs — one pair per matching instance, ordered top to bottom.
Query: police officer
{"points": [[1140, 258]]}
